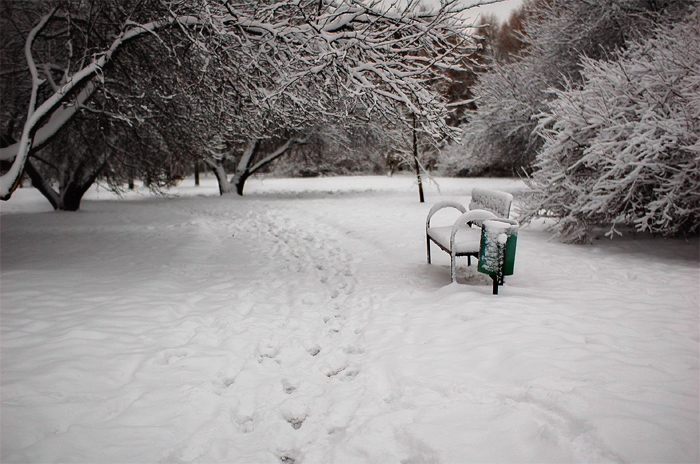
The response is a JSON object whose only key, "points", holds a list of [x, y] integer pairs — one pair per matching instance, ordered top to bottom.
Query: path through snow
{"points": [[306, 327]]}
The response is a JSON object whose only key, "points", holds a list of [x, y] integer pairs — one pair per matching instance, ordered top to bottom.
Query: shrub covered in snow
{"points": [[501, 135], [625, 148]]}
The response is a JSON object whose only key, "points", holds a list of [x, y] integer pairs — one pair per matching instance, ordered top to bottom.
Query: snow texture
{"points": [[301, 324]]}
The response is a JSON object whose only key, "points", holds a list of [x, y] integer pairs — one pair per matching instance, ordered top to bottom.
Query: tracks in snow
{"points": [[301, 304]]}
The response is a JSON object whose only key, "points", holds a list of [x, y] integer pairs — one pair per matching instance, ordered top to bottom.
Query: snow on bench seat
{"points": [[466, 240]]}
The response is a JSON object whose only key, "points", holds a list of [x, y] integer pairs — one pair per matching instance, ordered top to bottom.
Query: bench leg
{"points": [[427, 243], [469, 260], [453, 267], [498, 279]]}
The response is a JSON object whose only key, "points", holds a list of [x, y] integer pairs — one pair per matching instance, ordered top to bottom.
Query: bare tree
{"points": [[338, 63]]}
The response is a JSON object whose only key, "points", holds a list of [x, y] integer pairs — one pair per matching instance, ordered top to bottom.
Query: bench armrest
{"points": [[441, 205], [476, 216]]}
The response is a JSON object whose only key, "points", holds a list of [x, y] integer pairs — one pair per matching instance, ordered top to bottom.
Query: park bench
{"points": [[463, 236]]}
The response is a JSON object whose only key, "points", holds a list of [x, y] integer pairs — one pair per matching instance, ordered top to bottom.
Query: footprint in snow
{"points": [[314, 350], [170, 356], [334, 372], [287, 387], [296, 422]]}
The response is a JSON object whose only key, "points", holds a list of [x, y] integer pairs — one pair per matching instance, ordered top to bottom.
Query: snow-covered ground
{"points": [[301, 323]]}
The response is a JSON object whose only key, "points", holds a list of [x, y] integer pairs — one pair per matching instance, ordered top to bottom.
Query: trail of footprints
{"points": [[316, 253], [311, 254]]}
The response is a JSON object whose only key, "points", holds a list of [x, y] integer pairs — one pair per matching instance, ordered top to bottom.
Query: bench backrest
{"points": [[492, 200]]}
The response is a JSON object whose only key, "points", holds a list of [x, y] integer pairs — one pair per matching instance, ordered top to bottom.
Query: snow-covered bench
{"points": [[463, 237]]}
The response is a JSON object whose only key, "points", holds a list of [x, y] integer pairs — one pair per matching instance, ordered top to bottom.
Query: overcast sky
{"points": [[501, 10]]}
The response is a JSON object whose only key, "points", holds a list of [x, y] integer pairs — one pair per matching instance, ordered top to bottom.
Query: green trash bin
{"points": [[497, 251]]}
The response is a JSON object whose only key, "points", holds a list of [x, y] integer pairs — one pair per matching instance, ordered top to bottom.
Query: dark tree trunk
{"points": [[415, 159], [249, 163], [240, 182], [41, 185], [71, 194], [71, 197]]}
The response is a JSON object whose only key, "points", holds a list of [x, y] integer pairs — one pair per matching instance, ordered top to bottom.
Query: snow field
{"points": [[301, 324]]}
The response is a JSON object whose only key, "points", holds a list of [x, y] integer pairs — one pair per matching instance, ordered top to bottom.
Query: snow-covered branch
{"points": [[271, 70], [58, 119], [624, 149], [276, 153], [9, 180]]}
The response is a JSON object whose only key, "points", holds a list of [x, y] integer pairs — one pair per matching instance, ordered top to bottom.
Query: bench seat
{"points": [[467, 240]]}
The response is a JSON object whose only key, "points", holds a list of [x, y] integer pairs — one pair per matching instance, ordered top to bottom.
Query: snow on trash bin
{"points": [[497, 251]]}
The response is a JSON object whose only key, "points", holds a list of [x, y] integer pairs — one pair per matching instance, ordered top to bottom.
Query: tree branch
{"points": [[279, 151], [9, 181]]}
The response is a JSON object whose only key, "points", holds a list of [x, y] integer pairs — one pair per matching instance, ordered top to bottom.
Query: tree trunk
{"points": [[53, 108], [415, 159], [247, 165], [220, 173], [239, 181], [41, 185], [71, 194], [71, 197]]}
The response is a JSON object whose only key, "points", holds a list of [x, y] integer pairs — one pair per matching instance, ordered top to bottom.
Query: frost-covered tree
{"points": [[359, 62], [279, 66], [76, 112], [131, 128], [501, 134], [624, 149]]}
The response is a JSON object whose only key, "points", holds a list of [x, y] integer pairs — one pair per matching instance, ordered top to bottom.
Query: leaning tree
{"points": [[269, 72], [93, 102]]}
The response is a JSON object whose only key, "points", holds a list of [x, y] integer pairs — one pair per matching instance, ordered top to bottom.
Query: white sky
{"points": [[501, 9]]}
